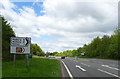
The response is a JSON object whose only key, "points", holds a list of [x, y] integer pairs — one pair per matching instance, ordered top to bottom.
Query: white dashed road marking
{"points": [[85, 64], [110, 67], [109, 73]]}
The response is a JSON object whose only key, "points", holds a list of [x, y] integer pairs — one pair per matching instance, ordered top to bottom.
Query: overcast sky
{"points": [[58, 25]]}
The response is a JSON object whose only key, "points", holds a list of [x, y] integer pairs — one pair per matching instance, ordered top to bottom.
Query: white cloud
{"points": [[72, 23]]}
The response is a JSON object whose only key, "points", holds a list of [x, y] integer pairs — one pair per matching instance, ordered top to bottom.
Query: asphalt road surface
{"points": [[80, 67]]}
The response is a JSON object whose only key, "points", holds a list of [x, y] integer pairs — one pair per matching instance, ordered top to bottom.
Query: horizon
{"points": [[61, 25]]}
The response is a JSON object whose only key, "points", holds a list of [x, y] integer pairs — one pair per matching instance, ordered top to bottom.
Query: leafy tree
{"points": [[7, 33], [118, 34], [0, 37], [105, 45], [113, 47], [95, 48], [36, 50], [54, 53]]}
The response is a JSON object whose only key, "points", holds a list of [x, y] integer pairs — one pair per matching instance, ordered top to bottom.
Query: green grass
{"points": [[38, 67], [0, 69]]}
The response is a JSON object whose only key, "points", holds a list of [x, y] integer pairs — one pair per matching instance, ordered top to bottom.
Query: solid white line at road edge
{"points": [[80, 68], [67, 70], [108, 73]]}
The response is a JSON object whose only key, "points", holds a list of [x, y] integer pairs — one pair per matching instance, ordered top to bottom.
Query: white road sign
{"points": [[20, 45]]}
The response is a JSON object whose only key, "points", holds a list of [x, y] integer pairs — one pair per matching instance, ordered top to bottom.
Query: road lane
{"points": [[95, 64], [92, 67]]}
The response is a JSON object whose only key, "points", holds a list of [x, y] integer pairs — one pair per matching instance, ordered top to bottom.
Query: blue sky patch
{"points": [[36, 6], [44, 38]]}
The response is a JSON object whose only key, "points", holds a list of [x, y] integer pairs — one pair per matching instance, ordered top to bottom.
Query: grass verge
{"points": [[38, 67], [0, 69]]}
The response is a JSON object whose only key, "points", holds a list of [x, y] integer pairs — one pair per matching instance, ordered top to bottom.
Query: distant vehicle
{"points": [[63, 57]]}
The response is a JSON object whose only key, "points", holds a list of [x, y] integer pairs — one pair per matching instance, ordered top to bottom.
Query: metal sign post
{"points": [[76, 56], [14, 60], [27, 62]]}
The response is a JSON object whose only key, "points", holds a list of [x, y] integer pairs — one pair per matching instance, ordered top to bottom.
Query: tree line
{"points": [[7, 33], [105, 47], [36, 50]]}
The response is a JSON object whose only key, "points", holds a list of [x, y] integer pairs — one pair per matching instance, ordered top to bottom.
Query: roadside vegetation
{"points": [[7, 33], [0, 36], [107, 47], [36, 50], [38, 67], [0, 69]]}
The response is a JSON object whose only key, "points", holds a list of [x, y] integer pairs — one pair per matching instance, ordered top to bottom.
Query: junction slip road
{"points": [[80, 67]]}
